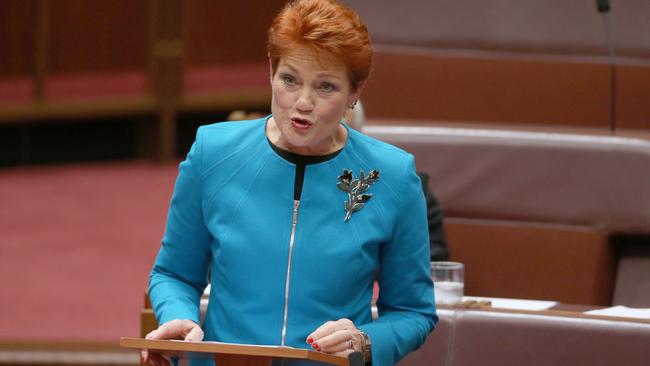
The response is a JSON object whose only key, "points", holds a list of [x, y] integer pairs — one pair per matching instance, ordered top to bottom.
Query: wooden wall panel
{"points": [[17, 20], [223, 31], [91, 36], [516, 90], [633, 96], [571, 264]]}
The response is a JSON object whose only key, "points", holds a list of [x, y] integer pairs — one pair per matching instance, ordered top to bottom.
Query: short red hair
{"points": [[328, 28]]}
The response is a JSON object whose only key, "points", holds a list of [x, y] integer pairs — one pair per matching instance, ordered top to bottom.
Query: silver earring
{"points": [[354, 104]]}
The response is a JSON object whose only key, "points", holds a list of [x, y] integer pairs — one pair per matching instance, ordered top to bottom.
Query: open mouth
{"points": [[300, 123]]}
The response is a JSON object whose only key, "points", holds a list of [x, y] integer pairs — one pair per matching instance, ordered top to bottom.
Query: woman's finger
{"points": [[329, 328], [175, 329], [169, 330], [324, 330], [195, 334], [340, 336], [337, 341], [343, 353], [155, 359]]}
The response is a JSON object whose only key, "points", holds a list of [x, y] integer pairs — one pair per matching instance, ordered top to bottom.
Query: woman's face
{"points": [[309, 100]]}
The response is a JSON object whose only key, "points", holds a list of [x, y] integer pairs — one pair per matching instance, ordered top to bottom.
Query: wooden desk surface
{"points": [[192, 350]]}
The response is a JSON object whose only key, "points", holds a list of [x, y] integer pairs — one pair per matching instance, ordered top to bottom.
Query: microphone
{"points": [[603, 5], [603, 8]]}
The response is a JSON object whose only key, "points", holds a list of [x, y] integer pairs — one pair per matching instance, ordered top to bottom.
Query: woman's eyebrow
{"points": [[289, 66], [322, 74], [326, 74]]}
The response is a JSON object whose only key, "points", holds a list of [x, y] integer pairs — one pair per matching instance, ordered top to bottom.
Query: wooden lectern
{"points": [[230, 354]]}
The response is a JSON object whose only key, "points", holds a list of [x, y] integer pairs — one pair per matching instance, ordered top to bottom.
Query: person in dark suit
{"points": [[437, 237]]}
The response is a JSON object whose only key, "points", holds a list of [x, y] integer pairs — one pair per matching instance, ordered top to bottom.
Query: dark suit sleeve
{"points": [[437, 238]]}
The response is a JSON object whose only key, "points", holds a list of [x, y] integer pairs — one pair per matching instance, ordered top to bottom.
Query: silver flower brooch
{"points": [[356, 189]]}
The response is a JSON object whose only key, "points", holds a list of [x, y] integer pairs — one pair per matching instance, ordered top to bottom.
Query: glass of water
{"points": [[448, 282]]}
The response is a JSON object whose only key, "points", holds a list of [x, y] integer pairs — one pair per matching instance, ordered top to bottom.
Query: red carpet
{"points": [[76, 245]]}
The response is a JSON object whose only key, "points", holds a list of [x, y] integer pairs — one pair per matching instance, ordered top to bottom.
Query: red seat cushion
{"points": [[96, 85], [16, 90]]}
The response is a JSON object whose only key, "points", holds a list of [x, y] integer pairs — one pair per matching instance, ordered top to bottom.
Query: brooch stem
{"points": [[355, 189], [348, 213]]}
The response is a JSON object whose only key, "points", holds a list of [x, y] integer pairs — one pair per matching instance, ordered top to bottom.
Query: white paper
{"points": [[516, 304], [623, 311]]}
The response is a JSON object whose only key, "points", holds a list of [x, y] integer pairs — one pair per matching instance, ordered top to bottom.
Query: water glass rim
{"points": [[446, 264]]}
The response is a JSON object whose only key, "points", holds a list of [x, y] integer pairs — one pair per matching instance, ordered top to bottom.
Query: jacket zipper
{"points": [[294, 221]]}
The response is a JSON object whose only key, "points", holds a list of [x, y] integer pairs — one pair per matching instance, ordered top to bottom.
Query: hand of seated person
{"points": [[175, 329], [340, 338]]}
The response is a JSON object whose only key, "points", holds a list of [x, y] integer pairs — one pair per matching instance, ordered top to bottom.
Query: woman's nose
{"points": [[305, 101]]}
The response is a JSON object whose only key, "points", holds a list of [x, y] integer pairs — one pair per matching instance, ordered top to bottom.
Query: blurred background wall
{"points": [[123, 79], [100, 99]]}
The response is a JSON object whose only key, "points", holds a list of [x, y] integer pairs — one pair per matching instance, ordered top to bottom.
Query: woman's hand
{"points": [[175, 329], [339, 338]]}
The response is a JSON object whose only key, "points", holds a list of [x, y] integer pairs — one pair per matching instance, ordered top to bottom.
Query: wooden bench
{"points": [[536, 214], [489, 336]]}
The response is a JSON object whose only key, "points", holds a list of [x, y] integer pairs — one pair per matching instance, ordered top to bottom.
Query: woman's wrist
{"points": [[366, 347]]}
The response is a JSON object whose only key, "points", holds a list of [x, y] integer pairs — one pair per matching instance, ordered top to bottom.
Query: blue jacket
{"points": [[232, 213]]}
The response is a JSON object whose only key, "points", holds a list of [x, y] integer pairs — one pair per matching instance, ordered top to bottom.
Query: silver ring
{"points": [[350, 345]]}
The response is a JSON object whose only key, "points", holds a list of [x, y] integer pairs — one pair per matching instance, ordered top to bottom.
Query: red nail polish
{"points": [[310, 340], [315, 345]]}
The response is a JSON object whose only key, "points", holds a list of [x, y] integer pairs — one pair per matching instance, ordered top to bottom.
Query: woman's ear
{"points": [[270, 70], [360, 87], [356, 94]]}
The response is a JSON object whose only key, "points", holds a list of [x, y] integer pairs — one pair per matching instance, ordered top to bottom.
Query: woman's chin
{"points": [[300, 137], [303, 145]]}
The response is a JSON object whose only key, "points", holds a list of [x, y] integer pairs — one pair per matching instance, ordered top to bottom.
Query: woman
{"points": [[294, 213]]}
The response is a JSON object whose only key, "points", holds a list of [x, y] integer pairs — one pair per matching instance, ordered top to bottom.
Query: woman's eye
{"points": [[288, 79], [327, 87]]}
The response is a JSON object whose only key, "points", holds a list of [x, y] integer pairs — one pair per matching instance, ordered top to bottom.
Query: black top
{"points": [[301, 161]]}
